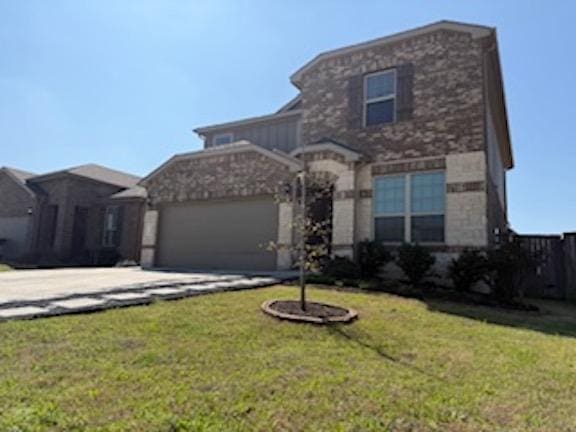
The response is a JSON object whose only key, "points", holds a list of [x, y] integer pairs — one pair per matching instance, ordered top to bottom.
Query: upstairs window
{"points": [[380, 98], [222, 138], [410, 208]]}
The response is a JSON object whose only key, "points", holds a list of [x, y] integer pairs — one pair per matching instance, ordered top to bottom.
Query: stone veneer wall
{"points": [[447, 92], [466, 196]]}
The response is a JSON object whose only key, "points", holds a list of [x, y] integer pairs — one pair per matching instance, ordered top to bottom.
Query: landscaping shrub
{"points": [[372, 256], [415, 261], [509, 266], [470, 267], [341, 268], [320, 279]]}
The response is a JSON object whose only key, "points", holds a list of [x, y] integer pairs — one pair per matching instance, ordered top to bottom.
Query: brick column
{"points": [[149, 236]]}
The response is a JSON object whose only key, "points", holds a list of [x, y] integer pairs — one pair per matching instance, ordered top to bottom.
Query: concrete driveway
{"points": [[35, 293]]}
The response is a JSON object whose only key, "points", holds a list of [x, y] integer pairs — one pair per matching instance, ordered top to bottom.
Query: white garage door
{"points": [[224, 235]]}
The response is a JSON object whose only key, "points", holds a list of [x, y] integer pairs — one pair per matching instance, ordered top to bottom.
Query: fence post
{"points": [[569, 244]]}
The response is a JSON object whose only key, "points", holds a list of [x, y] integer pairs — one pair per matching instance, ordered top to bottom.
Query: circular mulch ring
{"points": [[315, 313]]}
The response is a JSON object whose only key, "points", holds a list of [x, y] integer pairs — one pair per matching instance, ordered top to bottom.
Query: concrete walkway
{"points": [[27, 294]]}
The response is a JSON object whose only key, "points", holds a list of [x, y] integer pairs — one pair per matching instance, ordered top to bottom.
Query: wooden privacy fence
{"points": [[555, 277]]}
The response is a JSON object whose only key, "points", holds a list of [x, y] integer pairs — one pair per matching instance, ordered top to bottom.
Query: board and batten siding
{"points": [[281, 135]]}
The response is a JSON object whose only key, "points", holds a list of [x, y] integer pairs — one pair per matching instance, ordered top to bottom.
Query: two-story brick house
{"points": [[410, 130]]}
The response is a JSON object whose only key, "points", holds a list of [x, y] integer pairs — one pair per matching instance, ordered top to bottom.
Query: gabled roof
{"points": [[475, 30], [232, 148], [93, 172], [19, 177]]}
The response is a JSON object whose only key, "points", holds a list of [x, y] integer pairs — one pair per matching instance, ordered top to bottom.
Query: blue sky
{"points": [[123, 83]]}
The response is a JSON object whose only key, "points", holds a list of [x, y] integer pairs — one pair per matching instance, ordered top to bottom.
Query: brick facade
{"points": [[448, 111], [226, 175]]}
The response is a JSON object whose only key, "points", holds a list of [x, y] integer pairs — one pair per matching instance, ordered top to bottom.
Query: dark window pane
{"points": [[380, 112], [428, 228], [390, 229]]}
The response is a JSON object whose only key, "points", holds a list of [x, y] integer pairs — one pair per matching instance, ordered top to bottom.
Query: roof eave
{"points": [[475, 29], [245, 122], [237, 147]]}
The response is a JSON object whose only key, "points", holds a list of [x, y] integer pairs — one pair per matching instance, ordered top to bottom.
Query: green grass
{"points": [[5, 267], [216, 363]]}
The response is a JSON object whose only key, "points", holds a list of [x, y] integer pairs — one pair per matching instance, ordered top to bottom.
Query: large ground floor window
{"points": [[410, 208]]}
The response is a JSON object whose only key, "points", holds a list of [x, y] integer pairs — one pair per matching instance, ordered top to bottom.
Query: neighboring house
{"points": [[410, 130], [83, 215]]}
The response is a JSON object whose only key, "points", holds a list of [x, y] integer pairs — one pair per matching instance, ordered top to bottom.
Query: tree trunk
{"points": [[303, 242]]}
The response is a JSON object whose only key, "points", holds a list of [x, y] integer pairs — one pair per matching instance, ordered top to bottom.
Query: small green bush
{"points": [[372, 256], [415, 261], [509, 266], [470, 267], [341, 268], [320, 279]]}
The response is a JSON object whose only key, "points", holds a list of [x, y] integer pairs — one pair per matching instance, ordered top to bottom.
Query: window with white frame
{"points": [[380, 97], [222, 138], [410, 208], [111, 237]]}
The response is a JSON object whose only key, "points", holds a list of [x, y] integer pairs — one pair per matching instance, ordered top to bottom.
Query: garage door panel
{"points": [[219, 235]]}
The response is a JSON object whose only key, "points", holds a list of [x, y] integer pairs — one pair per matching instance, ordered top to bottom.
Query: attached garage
{"points": [[225, 235]]}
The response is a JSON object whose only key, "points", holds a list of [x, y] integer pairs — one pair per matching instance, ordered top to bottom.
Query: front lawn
{"points": [[217, 363]]}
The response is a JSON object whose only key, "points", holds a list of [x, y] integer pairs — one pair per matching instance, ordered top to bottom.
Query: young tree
{"points": [[311, 225]]}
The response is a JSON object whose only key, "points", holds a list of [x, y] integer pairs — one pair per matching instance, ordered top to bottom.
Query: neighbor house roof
{"points": [[475, 30], [93, 172], [20, 177], [135, 192]]}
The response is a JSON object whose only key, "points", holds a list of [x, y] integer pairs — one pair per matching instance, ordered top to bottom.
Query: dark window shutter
{"points": [[404, 92], [355, 101]]}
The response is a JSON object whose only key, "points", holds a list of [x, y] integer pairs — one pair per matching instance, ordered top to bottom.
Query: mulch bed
{"points": [[317, 313]]}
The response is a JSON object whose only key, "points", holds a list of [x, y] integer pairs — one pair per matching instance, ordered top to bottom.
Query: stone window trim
{"points": [[389, 97], [408, 166], [462, 187], [407, 213]]}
